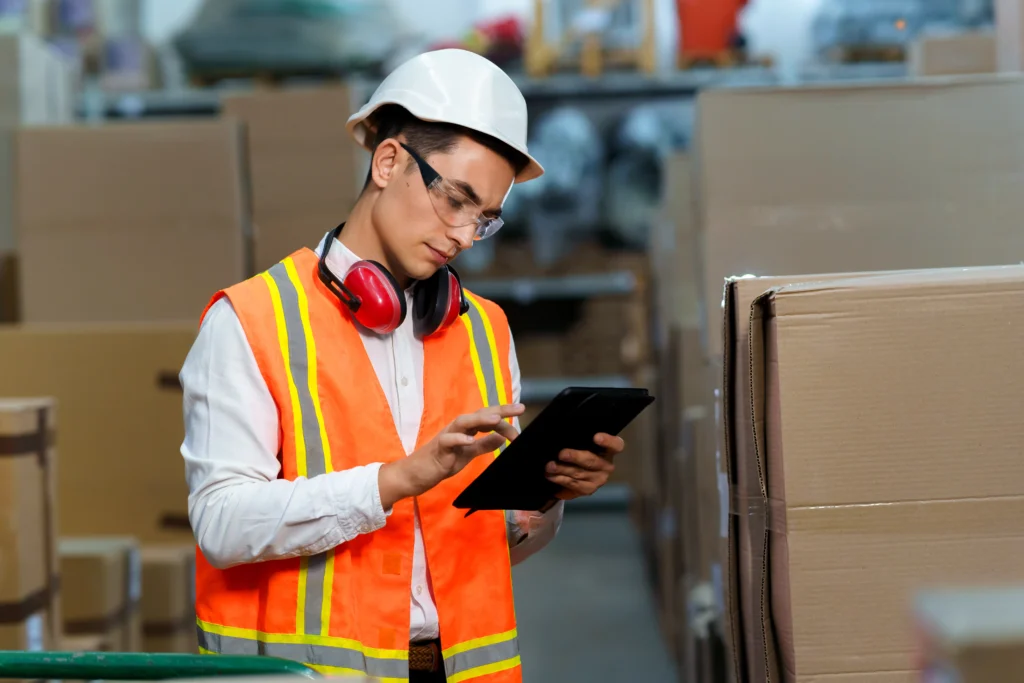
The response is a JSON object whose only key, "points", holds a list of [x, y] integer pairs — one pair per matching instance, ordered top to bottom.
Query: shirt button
{"points": [[405, 381], [419, 590]]}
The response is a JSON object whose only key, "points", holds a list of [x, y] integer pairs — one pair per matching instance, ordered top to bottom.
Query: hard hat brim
{"points": [[359, 129]]}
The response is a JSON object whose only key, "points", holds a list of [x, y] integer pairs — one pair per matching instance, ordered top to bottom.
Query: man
{"points": [[336, 404]]}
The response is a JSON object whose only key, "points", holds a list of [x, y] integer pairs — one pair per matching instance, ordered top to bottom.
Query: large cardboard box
{"points": [[1010, 34], [960, 53], [303, 164], [848, 177], [147, 220], [848, 378], [121, 424], [29, 570], [102, 589], [168, 598], [971, 635]]}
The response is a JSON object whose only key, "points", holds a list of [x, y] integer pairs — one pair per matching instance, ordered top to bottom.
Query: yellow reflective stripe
{"points": [[475, 356], [499, 378], [314, 389], [293, 392], [314, 392], [300, 442], [325, 610], [292, 638], [479, 642], [485, 670]]}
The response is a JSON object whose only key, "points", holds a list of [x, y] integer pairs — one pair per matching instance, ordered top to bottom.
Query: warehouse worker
{"points": [[336, 404]]}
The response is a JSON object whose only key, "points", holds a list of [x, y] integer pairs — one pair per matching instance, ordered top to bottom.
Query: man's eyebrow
{"points": [[467, 189]]}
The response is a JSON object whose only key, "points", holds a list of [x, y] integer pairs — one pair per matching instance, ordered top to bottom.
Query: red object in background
{"points": [[707, 27], [502, 30], [500, 39]]}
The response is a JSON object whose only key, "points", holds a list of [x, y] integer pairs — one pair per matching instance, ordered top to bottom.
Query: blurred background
{"points": [[155, 151]]}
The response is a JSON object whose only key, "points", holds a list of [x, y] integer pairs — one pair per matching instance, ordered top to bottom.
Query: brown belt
{"points": [[426, 656]]}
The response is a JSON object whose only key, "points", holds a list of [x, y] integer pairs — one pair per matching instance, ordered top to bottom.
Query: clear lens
{"points": [[457, 210], [487, 227]]}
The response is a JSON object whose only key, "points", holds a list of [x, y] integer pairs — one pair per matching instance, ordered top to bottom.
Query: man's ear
{"points": [[384, 164]]}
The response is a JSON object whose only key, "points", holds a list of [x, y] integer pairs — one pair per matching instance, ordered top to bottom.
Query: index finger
{"points": [[488, 417]]}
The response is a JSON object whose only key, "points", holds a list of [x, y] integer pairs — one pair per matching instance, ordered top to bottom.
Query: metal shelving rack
{"points": [[558, 88]]}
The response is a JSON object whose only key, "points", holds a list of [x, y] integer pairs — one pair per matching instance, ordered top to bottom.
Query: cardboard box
{"points": [[1010, 34], [947, 55], [303, 165], [857, 177], [148, 220], [9, 304], [851, 377], [121, 425], [29, 571], [101, 590], [168, 598], [971, 635]]}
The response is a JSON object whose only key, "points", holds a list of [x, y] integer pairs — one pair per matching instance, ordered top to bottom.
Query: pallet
{"points": [[861, 54]]}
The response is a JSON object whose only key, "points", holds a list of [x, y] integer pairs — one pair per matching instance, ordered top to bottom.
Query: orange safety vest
{"points": [[347, 610]]}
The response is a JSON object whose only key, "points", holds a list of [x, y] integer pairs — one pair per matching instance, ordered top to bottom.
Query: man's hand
{"points": [[447, 453], [581, 473]]}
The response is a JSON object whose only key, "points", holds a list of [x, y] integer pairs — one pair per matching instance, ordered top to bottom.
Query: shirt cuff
{"points": [[357, 501], [527, 523]]}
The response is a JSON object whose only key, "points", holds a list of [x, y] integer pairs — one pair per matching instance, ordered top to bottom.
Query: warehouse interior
{"points": [[796, 223]]}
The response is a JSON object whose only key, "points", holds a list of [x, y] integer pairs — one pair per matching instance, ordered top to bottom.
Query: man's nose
{"points": [[463, 237]]}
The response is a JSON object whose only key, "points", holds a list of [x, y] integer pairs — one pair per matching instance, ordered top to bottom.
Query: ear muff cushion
{"points": [[456, 299], [430, 303], [382, 304]]}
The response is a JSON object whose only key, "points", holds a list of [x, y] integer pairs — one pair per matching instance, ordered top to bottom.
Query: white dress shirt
{"points": [[241, 512]]}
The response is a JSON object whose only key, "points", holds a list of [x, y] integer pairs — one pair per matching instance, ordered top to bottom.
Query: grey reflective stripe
{"points": [[483, 352], [299, 363], [324, 655], [481, 656]]}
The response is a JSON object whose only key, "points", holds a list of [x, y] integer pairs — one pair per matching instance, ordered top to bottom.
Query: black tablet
{"points": [[516, 479]]}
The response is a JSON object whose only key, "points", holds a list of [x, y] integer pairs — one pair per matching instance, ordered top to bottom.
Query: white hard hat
{"points": [[454, 86]]}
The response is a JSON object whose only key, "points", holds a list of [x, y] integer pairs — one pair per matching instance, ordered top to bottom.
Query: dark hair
{"points": [[429, 137]]}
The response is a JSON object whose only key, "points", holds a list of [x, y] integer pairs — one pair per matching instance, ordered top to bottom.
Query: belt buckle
{"points": [[427, 657]]}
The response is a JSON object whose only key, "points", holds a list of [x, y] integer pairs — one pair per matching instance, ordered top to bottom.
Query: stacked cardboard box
{"points": [[1010, 34], [960, 53], [303, 165], [858, 177], [839, 178], [147, 220], [835, 382], [121, 420], [29, 570], [102, 587], [168, 598], [971, 635]]}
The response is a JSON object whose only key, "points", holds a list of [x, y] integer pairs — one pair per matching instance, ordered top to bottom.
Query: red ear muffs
{"points": [[376, 302], [438, 302], [381, 304]]}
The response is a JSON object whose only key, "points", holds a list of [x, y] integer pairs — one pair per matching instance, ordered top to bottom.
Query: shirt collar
{"points": [[340, 258]]}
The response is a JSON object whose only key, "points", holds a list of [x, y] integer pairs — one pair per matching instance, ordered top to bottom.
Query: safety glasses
{"points": [[451, 204]]}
